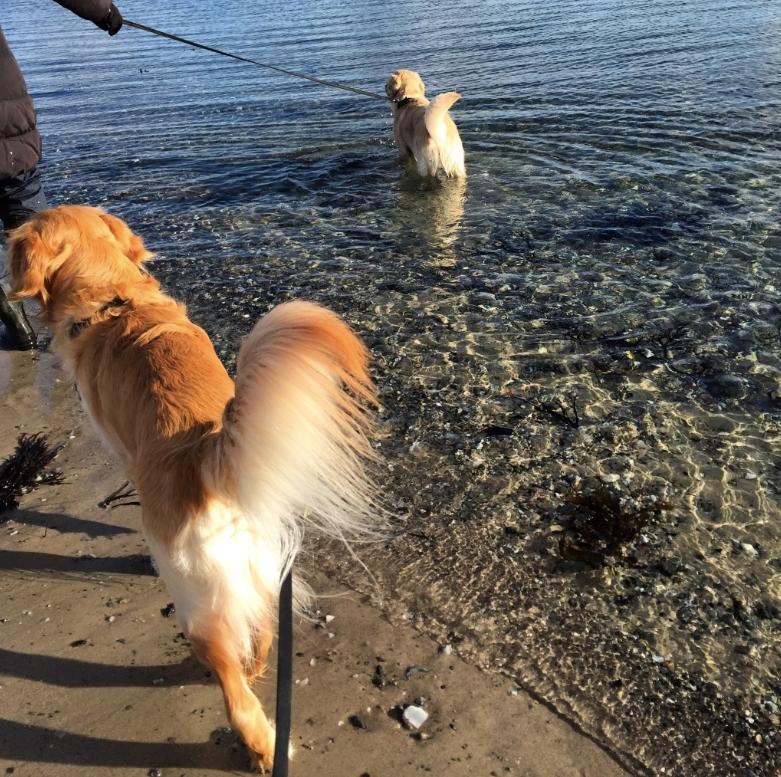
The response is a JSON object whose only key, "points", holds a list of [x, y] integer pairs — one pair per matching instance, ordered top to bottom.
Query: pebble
{"points": [[726, 387], [610, 477], [749, 549], [687, 613], [447, 649], [378, 678], [414, 716], [356, 721]]}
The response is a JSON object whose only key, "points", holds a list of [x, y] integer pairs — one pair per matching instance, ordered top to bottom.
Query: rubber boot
{"points": [[17, 328]]}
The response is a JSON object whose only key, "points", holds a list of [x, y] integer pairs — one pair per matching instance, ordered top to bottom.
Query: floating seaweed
{"points": [[23, 470]]}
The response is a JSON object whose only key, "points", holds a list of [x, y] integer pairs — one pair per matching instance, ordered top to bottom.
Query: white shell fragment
{"points": [[414, 717]]}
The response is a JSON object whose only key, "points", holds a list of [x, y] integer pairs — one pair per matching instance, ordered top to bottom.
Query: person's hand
{"points": [[113, 21]]}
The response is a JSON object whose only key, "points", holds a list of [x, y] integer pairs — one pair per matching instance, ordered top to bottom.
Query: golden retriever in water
{"points": [[423, 129], [226, 473]]}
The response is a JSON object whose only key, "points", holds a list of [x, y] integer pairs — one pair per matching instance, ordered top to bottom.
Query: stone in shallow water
{"points": [[726, 386]]}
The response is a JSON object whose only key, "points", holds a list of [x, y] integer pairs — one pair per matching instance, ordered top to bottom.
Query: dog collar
{"points": [[402, 103], [77, 327]]}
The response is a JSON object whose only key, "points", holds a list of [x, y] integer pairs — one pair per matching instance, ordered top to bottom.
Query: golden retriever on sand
{"points": [[423, 129], [226, 473]]}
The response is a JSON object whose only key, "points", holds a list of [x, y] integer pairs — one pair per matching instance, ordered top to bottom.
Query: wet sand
{"points": [[96, 681]]}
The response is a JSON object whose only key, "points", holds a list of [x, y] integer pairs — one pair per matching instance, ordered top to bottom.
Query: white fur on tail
{"points": [[449, 151], [294, 442], [292, 451]]}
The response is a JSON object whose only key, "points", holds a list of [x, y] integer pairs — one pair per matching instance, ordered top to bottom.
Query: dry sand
{"points": [[96, 681]]}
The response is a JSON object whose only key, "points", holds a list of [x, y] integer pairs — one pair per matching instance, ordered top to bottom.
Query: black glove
{"points": [[112, 24]]}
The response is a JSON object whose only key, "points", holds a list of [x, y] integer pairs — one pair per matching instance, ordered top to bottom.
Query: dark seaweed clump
{"points": [[23, 470], [602, 521]]}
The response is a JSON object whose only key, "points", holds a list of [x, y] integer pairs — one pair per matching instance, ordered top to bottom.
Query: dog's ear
{"points": [[395, 87], [132, 245], [33, 261]]}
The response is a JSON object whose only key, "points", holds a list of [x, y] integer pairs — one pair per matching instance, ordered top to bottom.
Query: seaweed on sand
{"points": [[23, 470]]}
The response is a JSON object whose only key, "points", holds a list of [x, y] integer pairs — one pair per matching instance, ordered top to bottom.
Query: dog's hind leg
{"points": [[427, 160], [261, 646], [245, 712]]}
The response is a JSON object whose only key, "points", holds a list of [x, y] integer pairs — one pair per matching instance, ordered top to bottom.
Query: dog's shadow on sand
{"points": [[68, 524], [24, 561], [75, 673], [27, 743], [223, 752]]}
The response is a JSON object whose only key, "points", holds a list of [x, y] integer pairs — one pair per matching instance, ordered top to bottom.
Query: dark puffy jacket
{"points": [[20, 143]]}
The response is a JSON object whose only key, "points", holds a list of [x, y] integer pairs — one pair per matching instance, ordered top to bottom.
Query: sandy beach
{"points": [[97, 681]]}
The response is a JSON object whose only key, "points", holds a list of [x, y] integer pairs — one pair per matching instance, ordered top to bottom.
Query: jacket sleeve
{"points": [[93, 10]]}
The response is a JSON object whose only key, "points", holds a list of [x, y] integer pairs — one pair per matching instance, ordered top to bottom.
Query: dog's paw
{"points": [[262, 751], [263, 760]]}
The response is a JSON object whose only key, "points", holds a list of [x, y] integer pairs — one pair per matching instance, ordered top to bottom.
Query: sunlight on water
{"points": [[600, 299]]}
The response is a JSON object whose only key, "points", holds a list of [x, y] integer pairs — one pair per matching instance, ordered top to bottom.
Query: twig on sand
{"points": [[114, 499]]}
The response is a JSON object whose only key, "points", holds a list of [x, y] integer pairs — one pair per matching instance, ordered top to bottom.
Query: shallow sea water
{"points": [[601, 298]]}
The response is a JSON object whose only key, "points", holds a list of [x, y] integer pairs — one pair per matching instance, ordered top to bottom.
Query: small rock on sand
{"points": [[414, 716]]}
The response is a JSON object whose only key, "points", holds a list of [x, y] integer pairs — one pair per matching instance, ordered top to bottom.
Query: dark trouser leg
{"points": [[20, 197], [18, 331]]}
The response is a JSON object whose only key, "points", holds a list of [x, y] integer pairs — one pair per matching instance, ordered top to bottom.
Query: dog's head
{"points": [[405, 85], [73, 253]]}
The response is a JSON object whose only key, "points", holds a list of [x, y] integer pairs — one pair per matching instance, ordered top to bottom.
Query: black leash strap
{"points": [[313, 79], [284, 677]]}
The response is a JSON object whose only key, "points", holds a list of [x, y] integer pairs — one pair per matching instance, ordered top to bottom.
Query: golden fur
{"points": [[424, 130], [224, 472]]}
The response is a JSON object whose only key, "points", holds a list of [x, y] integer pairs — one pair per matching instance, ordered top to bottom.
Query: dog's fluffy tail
{"points": [[435, 114], [449, 149], [295, 440]]}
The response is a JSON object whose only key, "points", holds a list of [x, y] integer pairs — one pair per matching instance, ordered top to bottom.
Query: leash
{"points": [[294, 73], [284, 677]]}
